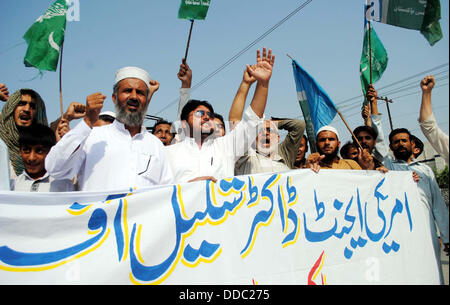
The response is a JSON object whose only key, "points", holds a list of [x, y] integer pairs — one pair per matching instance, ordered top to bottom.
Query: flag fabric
{"points": [[193, 9], [421, 15], [45, 37], [378, 54], [317, 107]]}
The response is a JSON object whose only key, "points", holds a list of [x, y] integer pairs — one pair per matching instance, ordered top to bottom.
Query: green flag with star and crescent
{"points": [[45, 37]]}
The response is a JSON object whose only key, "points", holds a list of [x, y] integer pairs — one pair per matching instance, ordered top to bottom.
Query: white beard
{"points": [[266, 151]]}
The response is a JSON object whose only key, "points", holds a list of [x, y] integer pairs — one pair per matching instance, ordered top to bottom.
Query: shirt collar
{"points": [[121, 128], [46, 176]]}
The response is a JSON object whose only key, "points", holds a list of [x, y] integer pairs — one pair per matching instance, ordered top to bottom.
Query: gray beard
{"points": [[134, 119]]}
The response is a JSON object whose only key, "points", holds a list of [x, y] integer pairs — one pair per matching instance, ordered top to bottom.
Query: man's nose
{"points": [[26, 107]]}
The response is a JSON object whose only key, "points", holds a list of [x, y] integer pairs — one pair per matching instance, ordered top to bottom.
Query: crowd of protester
{"points": [[108, 151]]}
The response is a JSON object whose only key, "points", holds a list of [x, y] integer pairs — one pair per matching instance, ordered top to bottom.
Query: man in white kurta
{"points": [[437, 138], [200, 155], [119, 156]]}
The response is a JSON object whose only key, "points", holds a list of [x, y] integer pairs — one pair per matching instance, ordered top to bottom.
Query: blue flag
{"points": [[317, 107]]}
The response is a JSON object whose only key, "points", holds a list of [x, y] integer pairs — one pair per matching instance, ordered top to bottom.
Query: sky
{"points": [[325, 37]]}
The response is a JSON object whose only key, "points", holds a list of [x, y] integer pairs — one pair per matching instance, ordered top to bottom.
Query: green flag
{"points": [[193, 9], [421, 15], [45, 37], [379, 59]]}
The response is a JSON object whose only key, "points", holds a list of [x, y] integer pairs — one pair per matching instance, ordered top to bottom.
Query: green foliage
{"points": [[442, 177]]}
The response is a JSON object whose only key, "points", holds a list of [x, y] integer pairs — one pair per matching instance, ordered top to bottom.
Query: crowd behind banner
{"points": [[107, 151]]}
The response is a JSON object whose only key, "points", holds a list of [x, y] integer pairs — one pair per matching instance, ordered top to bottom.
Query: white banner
{"points": [[298, 227]]}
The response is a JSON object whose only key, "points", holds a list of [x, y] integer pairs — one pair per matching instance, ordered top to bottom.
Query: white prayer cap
{"points": [[132, 72], [110, 113], [328, 128]]}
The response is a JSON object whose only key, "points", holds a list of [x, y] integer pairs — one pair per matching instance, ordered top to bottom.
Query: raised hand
{"points": [[262, 71], [185, 75], [247, 78], [427, 84], [154, 86], [4, 94], [94, 105], [75, 111], [62, 128]]}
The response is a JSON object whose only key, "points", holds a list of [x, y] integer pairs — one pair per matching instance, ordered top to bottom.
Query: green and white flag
{"points": [[193, 9], [421, 15], [45, 37], [374, 63]]}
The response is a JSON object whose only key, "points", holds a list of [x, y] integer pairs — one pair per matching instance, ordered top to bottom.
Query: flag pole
{"points": [[189, 40], [370, 51], [60, 81], [349, 129]]}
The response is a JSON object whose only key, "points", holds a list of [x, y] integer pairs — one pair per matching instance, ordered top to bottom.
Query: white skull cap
{"points": [[132, 72], [328, 128]]}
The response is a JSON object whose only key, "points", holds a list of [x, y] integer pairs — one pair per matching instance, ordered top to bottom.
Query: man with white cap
{"points": [[328, 144], [118, 156]]}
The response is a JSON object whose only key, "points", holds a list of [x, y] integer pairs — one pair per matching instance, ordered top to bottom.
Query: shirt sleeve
{"points": [[437, 138], [238, 141], [289, 147], [381, 150], [66, 158], [439, 208]]}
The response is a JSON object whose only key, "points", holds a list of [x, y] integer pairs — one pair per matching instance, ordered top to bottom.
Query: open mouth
{"points": [[133, 105], [25, 118]]}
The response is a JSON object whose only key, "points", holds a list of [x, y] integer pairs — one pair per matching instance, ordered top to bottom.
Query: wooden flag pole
{"points": [[189, 40], [60, 81], [349, 129]]}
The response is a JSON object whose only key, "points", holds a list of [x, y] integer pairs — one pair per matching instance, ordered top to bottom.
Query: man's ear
{"points": [[113, 98]]}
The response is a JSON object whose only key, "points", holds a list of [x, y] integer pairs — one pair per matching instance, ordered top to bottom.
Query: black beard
{"points": [[404, 155], [329, 157]]}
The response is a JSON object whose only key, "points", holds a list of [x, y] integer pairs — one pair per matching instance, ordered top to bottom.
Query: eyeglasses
{"points": [[200, 113]]}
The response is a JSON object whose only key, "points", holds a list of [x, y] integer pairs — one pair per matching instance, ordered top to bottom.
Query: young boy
{"points": [[35, 143]]}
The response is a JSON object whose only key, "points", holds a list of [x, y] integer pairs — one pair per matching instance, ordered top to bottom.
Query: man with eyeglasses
{"points": [[201, 155], [118, 156]]}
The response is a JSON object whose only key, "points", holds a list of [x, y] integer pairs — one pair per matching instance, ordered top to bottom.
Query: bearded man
{"points": [[328, 144], [270, 155], [118, 156], [429, 192]]}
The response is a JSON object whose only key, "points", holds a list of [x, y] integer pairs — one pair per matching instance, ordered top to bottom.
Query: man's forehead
{"points": [[132, 83], [27, 98], [202, 107], [163, 126], [326, 134], [401, 135]]}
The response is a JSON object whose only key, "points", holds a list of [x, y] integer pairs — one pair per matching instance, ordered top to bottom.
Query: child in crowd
{"points": [[35, 143]]}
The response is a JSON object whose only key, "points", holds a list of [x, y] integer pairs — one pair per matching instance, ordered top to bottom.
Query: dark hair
{"points": [[28, 92], [191, 106], [220, 117], [106, 118], [161, 122], [367, 129], [397, 131], [37, 134], [306, 141], [417, 142], [346, 148]]}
